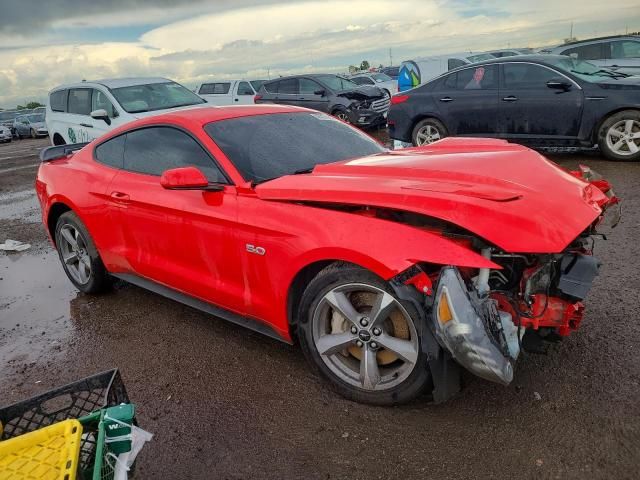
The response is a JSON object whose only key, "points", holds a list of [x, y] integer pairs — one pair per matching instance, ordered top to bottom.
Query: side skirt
{"points": [[198, 304]]}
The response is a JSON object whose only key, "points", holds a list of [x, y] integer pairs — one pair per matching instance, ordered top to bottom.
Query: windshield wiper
{"points": [[303, 170]]}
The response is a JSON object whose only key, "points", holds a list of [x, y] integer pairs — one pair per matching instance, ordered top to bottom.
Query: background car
{"points": [[510, 52], [620, 53], [391, 71], [380, 80], [228, 92], [539, 100], [365, 106], [83, 111], [31, 125], [6, 135], [301, 227]]}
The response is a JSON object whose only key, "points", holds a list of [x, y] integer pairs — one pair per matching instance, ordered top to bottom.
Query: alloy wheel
{"points": [[427, 134], [623, 137], [75, 256], [365, 336]]}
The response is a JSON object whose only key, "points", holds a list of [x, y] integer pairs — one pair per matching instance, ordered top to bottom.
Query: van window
{"points": [[625, 49], [594, 51], [215, 88], [245, 89], [58, 100], [99, 100], [79, 101], [156, 149], [111, 152]]}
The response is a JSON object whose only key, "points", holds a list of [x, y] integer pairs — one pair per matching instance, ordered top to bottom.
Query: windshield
{"points": [[585, 70], [381, 77], [337, 83], [256, 84], [155, 96], [36, 117], [264, 147]]}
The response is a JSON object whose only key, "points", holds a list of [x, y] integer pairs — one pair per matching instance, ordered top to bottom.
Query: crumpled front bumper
{"points": [[366, 117], [479, 337]]}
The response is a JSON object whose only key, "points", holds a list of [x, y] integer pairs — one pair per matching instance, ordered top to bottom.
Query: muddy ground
{"points": [[224, 402]]}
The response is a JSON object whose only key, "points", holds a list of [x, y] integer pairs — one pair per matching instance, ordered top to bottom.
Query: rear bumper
{"points": [[400, 125]]}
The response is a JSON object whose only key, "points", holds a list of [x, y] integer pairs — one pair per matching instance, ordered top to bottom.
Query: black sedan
{"points": [[538, 100]]}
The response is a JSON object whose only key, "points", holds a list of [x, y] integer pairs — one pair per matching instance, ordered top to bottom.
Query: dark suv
{"points": [[364, 106]]}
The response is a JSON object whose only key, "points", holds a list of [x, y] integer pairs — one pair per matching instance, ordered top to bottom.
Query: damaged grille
{"points": [[381, 105]]}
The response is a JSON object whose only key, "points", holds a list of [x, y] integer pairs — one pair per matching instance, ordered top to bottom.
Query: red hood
{"points": [[507, 194]]}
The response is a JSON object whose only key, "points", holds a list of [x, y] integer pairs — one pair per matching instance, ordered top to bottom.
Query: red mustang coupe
{"points": [[391, 268]]}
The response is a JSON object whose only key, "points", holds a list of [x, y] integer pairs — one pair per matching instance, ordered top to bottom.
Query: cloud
{"points": [[254, 38]]}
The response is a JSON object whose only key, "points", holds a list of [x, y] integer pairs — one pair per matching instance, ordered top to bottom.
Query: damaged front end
{"points": [[368, 107]]}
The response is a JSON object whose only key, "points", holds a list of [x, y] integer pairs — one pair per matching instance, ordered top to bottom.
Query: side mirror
{"points": [[559, 84], [319, 92], [101, 114], [187, 178]]}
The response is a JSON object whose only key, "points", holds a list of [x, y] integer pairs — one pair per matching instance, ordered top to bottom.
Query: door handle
{"points": [[510, 98], [235, 99], [446, 99], [86, 125], [119, 197]]}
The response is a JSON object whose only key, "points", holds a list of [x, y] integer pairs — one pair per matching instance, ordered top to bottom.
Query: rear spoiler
{"points": [[60, 151]]}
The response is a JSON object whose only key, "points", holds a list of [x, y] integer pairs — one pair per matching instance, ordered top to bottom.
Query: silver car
{"points": [[619, 53], [31, 125], [5, 134]]}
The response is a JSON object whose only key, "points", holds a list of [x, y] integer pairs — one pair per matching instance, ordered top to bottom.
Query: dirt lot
{"points": [[227, 403]]}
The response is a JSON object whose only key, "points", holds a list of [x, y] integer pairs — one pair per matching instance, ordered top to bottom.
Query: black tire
{"points": [[341, 114], [426, 123], [606, 141], [335, 275], [98, 279]]}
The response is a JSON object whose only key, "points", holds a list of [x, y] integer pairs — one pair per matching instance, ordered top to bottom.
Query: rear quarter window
{"points": [[215, 88], [58, 100], [111, 152]]}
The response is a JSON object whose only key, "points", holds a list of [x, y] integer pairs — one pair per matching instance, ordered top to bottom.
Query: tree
{"points": [[364, 65], [32, 105]]}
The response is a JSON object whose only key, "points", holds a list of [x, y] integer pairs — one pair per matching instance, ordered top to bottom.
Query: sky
{"points": [[45, 43]]}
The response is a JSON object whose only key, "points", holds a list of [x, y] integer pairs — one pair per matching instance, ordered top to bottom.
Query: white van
{"points": [[416, 72], [229, 92], [83, 111]]}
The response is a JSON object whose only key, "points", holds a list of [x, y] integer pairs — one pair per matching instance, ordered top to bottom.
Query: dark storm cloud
{"points": [[23, 16]]}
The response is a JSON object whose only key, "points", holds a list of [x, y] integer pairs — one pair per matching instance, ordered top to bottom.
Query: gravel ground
{"points": [[226, 403]]}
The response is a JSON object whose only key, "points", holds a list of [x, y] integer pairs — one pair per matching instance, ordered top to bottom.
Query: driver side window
{"points": [[99, 100], [155, 149]]}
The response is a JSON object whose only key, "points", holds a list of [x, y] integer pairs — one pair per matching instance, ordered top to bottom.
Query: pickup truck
{"points": [[229, 92]]}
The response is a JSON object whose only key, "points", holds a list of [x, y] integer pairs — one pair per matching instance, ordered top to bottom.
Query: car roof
{"points": [[597, 39], [535, 58], [303, 75], [115, 82], [198, 117]]}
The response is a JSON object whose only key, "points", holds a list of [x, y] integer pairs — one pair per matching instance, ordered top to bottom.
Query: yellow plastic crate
{"points": [[50, 453]]}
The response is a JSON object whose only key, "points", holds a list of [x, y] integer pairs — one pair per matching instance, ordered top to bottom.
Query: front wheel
{"points": [[341, 114], [428, 131], [33, 133], [619, 136], [78, 254], [363, 339]]}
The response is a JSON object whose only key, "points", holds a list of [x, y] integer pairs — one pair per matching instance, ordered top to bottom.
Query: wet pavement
{"points": [[224, 402]]}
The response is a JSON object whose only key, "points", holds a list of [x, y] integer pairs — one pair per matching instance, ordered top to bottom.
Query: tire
{"points": [[341, 114], [427, 131], [33, 133], [619, 136], [84, 266], [398, 381]]}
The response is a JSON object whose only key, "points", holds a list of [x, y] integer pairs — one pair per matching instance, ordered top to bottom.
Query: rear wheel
{"points": [[428, 131], [619, 136], [79, 256], [362, 338]]}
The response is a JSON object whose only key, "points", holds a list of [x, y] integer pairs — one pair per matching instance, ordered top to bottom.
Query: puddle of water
{"points": [[20, 205], [35, 297]]}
